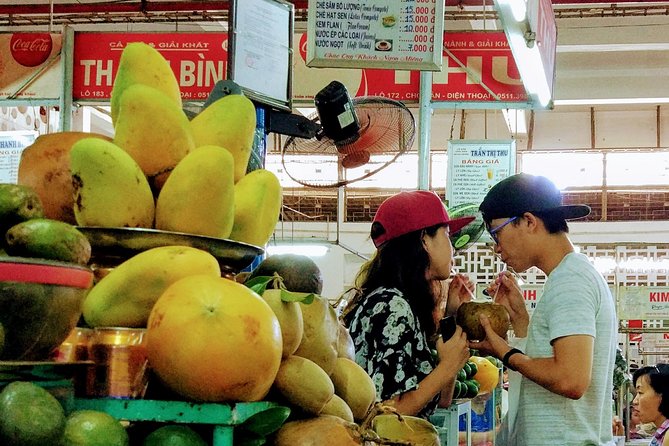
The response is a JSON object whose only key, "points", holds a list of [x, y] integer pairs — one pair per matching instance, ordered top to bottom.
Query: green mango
{"points": [[18, 203], [48, 239]]}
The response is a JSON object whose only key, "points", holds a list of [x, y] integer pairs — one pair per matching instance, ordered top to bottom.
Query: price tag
{"points": [[393, 34]]}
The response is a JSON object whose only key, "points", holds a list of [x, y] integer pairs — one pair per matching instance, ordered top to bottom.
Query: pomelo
{"points": [[213, 339], [487, 374], [29, 416], [93, 428]]}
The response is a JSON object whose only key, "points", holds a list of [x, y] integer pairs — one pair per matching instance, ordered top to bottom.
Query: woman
{"points": [[391, 316], [652, 399]]}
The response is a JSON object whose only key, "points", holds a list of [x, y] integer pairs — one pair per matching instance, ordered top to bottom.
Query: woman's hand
{"points": [[460, 290], [506, 291], [455, 351]]}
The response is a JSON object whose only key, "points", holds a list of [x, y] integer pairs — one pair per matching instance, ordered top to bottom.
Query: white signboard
{"points": [[393, 34], [261, 50], [11, 147], [476, 166], [531, 295], [642, 302]]}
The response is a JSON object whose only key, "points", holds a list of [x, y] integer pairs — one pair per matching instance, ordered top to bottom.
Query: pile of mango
{"points": [[160, 170]]}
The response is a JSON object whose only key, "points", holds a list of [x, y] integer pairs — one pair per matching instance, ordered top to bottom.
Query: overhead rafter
{"points": [[27, 14]]}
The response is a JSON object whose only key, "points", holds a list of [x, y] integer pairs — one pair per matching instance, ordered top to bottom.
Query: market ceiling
{"points": [[42, 12]]}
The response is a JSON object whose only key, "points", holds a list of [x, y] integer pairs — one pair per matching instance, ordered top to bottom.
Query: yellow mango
{"points": [[142, 64], [229, 122], [152, 129], [110, 189], [199, 195], [257, 206], [125, 296]]}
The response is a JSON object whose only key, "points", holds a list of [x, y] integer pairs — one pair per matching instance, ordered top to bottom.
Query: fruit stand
{"points": [[223, 417]]}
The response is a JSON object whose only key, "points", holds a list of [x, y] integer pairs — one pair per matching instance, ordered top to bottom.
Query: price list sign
{"points": [[393, 34], [11, 147]]}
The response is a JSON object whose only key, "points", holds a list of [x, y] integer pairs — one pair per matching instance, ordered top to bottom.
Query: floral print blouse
{"points": [[390, 345]]}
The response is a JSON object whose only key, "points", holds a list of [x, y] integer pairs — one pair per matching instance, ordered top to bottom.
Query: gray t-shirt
{"points": [[576, 301]]}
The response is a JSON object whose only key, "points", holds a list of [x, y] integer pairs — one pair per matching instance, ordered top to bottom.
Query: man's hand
{"points": [[460, 290], [506, 291]]}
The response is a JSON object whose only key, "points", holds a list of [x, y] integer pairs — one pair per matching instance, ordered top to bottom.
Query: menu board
{"points": [[394, 34], [261, 48], [11, 146], [476, 166]]}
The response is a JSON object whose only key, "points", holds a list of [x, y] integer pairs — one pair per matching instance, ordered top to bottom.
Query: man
{"points": [[566, 351]]}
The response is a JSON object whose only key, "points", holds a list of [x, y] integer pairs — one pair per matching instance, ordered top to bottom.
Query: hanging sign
{"points": [[393, 34], [261, 50], [198, 61], [30, 66], [478, 66], [11, 147], [476, 166], [640, 302]]}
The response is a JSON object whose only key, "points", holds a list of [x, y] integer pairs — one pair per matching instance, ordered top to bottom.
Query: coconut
{"points": [[299, 272], [468, 318], [321, 332], [303, 383], [354, 386], [414, 430], [319, 431]]}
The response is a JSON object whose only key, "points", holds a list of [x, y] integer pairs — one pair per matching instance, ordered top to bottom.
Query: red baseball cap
{"points": [[412, 211]]}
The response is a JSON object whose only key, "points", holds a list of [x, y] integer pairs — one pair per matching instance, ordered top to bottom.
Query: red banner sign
{"points": [[198, 60], [472, 62]]}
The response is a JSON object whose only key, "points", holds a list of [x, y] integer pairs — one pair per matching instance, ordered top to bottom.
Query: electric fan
{"points": [[352, 139]]}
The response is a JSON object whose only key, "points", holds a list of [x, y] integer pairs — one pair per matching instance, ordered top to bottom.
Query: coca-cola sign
{"points": [[31, 49]]}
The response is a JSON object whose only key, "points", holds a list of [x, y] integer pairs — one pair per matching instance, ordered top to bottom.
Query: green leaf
{"points": [[259, 284], [293, 296], [265, 422], [246, 438]]}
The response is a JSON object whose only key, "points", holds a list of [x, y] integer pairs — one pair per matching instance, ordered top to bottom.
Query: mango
{"points": [[142, 64], [229, 122], [152, 129], [45, 166], [110, 189], [199, 195], [18, 203], [257, 207], [48, 239], [125, 296], [303, 383], [354, 386], [337, 407]]}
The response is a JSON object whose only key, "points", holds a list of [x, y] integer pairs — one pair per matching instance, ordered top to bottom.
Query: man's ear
{"points": [[531, 221]]}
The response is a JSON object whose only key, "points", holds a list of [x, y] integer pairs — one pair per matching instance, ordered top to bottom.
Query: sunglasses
{"points": [[493, 231]]}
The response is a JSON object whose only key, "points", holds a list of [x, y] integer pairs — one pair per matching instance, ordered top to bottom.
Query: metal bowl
{"points": [[111, 246], [40, 303]]}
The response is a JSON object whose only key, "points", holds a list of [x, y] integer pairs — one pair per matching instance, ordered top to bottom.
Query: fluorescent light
{"points": [[518, 9], [525, 51], [530, 67], [611, 101], [515, 120], [300, 249]]}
